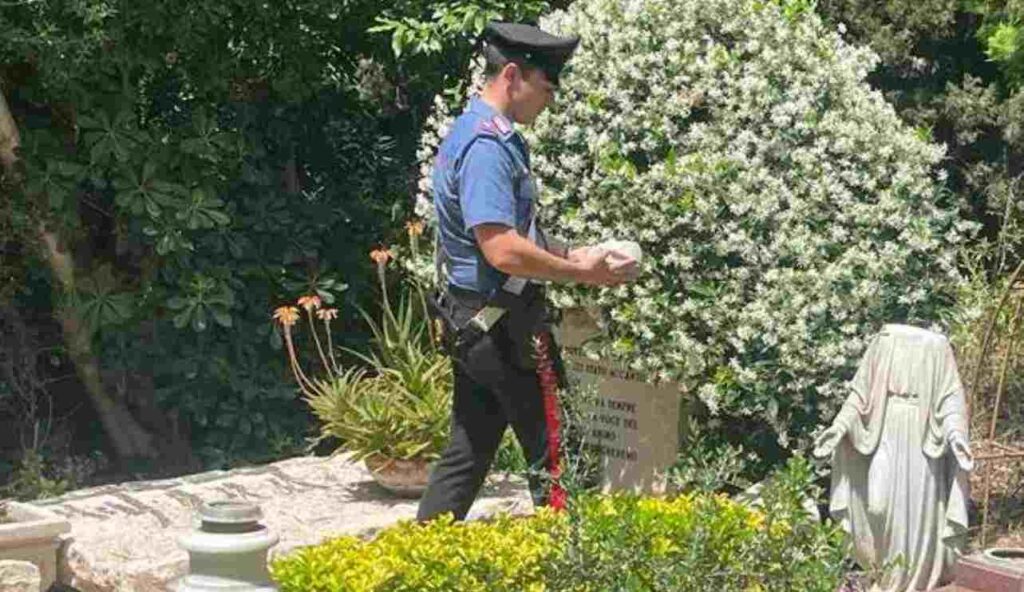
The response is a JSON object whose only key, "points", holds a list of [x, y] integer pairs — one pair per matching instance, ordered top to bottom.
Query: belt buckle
{"points": [[487, 317]]}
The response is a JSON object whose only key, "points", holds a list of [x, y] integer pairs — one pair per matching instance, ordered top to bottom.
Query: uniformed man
{"points": [[492, 259]]}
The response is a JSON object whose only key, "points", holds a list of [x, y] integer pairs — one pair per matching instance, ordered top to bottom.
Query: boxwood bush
{"points": [[691, 542]]}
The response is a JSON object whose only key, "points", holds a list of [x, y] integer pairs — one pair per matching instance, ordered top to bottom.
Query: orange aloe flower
{"points": [[414, 228], [380, 256], [309, 302], [327, 314], [286, 315]]}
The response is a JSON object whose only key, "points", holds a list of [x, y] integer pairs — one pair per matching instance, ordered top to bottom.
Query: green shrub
{"points": [[701, 541], [695, 542], [507, 554]]}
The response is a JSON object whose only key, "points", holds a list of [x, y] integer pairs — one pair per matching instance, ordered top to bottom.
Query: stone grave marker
{"points": [[634, 425]]}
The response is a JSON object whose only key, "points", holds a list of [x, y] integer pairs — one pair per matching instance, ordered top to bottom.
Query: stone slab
{"points": [[633, 425], [124, 537], [19, 576]]}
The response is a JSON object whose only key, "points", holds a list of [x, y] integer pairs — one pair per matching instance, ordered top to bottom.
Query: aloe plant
{"points": [[397, 404]]}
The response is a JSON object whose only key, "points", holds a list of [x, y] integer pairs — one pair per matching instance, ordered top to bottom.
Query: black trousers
{"points": [[493, 389]]}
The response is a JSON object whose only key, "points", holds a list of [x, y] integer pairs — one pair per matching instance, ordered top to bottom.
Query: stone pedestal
{"points": [[634, 425], [32, 535], [228, 552]]}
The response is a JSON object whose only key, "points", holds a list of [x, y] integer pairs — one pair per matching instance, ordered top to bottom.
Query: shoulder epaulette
{"points": [[497, 125]]}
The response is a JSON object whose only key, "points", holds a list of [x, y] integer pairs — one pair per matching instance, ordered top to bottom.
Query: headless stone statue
{"points": [[900, 458]]}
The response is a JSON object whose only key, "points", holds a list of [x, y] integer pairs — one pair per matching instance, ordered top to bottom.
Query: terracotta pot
{"points": [[404, 478]]}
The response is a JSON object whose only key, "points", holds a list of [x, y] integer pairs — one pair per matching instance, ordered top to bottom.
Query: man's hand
{"points": [[511, 253], [576, 255], [601, 267]]}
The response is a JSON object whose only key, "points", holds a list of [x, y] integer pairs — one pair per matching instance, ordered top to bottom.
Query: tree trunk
{"points": [[129, 439]]}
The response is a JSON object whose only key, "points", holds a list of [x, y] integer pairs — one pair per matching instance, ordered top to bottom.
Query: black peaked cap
{"points": [[533, 45]]}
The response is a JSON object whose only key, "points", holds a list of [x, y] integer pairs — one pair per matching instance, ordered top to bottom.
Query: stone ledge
{"points": [[124, 537], [976, 572], [19, 576]]}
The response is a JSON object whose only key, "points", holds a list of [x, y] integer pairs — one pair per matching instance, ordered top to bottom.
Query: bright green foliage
{"points": [[1001, 36], [1002, 42], [700, 541], [694, 542], [507, 555]]}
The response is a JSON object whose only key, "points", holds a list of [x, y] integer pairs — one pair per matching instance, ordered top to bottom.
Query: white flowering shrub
{"points": [[447, 107], [785, 210]]}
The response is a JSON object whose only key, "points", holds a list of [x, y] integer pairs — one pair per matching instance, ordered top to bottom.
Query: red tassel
{"points": [[549, 390]]}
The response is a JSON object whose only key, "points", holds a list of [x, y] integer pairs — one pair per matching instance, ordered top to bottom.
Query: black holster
{"points": [[526, 314]]}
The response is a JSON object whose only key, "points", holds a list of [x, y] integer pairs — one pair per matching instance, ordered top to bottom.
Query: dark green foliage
{"points": [[953, 69], [204, 162]]}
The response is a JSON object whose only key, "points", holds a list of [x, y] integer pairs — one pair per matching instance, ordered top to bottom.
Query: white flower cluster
{"points": [[786, 210]]}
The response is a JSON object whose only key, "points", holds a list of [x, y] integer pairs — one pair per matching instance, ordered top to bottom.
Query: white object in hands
{"points": [[629, 248], [900, 459]]}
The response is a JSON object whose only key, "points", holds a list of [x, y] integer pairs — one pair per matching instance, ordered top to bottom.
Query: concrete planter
{"points": [[33, 535], [228, 552], [994, 570]]}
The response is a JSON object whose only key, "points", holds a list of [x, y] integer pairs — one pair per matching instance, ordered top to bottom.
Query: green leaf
{"points": [[974, 6], [1003, 42], [396, 43], [88, 122], [923, 133], [100, 152], [69, 169], [56, 196], [218, 217], [164, 245], [707, 289], [221, 316], [181, 319]]}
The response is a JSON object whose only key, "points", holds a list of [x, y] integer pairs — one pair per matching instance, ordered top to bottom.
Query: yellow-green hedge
{"points": [[698, 543], [508, 554]]}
